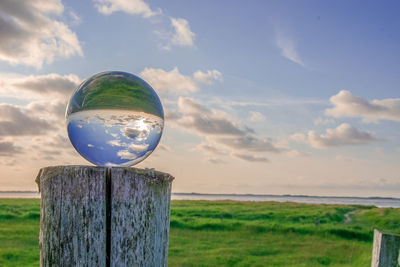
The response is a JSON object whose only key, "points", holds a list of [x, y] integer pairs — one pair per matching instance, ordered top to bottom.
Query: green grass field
{"points": [[114, 91], [208, 233]]}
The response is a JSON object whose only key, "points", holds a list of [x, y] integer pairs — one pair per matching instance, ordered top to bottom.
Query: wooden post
{"points": [[97, 216], [385, 252]]}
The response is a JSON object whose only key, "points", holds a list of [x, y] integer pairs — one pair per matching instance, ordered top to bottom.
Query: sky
{"points": [[260, 97]]}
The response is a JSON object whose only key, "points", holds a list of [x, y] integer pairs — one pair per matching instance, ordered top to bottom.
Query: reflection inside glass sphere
{"points": [[115, 119]]}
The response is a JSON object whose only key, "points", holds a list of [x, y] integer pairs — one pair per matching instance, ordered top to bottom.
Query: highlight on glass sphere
{"points": [[114, 119]]}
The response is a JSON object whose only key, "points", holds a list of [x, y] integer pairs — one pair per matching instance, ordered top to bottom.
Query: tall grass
{"points": [[227, 233]]}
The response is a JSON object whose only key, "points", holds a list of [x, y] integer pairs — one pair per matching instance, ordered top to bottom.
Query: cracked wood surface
{"points": [[77, 211]]}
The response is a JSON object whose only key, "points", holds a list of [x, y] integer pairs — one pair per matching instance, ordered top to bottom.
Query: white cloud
{"points": [[133, 7], [75, 19], [31, 35], [182, 36], [288, 49], [208, 77], [169, 81], [175, 82], [39, 85], [277, 102], [347, 105], [189, 106], [50, 110], [171, 115], [256, 116], [198, 118], [22, 121], [323, 121], [36, 128], [135, 133], [344, 134], [223, 135], [57, 141], [115, 143], [249, 143], [127, 146], [52, 147], [164, 147], [138, 148], [8, 149], [211, 149], [294, 153], [125, 154], [251, 158], [6, 161], [216, 161]]}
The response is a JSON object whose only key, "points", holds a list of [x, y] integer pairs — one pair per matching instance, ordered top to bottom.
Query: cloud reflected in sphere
{"points": [[115, 119]]}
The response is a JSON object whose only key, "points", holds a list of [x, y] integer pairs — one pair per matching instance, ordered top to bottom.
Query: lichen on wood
{"points": [[140, 211]]}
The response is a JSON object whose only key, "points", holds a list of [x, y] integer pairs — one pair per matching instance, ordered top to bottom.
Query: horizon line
{"points": [[237, 194]]}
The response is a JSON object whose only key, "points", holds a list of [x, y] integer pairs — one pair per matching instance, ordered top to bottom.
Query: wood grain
{"points": [[97, 216], [385, 252]]}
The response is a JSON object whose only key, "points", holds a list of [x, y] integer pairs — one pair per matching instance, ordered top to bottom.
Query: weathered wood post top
{"points": [[99, 216], [386, 250]]}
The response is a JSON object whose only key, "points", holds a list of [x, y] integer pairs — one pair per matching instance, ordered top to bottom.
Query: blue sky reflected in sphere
{"points": [[114, 119]]}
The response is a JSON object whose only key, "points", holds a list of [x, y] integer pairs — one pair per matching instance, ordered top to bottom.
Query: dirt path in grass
{"points": [[347, 216]]}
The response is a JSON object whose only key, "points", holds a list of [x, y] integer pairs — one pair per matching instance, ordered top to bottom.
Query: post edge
{"points": [[37, 180]]}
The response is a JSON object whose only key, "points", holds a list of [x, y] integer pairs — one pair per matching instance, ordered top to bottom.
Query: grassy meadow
{"points": [[111, 90], [227, 233]]}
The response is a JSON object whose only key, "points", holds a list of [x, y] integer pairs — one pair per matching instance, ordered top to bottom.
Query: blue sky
{"points": [[274, 97]]}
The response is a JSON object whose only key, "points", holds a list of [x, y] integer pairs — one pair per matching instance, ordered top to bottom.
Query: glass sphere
{"points": [[114, 119]]}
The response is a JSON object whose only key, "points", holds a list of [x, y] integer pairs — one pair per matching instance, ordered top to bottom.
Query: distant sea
{"points": [[19, 194], [380, 202]]}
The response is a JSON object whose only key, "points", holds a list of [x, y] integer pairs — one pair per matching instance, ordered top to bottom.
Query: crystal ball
{"points": [[114, 119]]}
